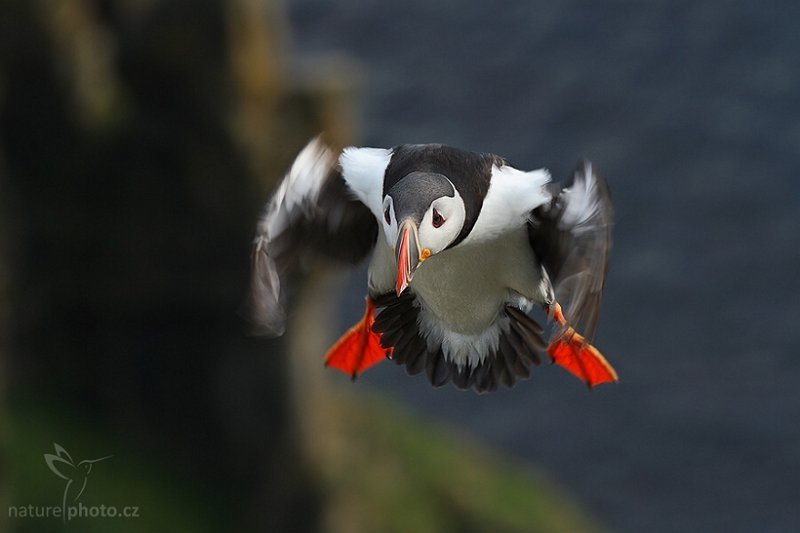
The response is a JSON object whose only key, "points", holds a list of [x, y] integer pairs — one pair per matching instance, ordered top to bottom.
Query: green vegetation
{"points": [[380, 469], [386, 470], [164, 501]]}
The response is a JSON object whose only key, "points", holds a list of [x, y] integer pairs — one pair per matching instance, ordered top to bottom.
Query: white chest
{"points": [[467, 287]]}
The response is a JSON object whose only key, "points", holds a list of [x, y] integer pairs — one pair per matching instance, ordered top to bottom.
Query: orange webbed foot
{"points": [[359, 348], [571, 351]]}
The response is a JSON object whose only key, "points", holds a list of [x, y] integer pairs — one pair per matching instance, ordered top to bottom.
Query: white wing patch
{"points": [[363, 170], [299, 188], [512, 195], [293, 198], [581, 201]]}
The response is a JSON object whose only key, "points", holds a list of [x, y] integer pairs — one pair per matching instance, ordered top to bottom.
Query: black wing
{"points": [[311, 211], [571, 236]]}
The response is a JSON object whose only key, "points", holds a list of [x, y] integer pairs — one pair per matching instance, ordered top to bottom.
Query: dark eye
{"points": [[386, 216], [437, 219]]}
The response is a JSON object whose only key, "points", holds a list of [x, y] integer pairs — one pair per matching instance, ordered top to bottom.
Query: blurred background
{"points": [[140, 138]]}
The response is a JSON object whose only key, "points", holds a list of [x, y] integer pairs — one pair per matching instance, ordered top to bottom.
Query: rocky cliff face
{"points": [[139, 141]]}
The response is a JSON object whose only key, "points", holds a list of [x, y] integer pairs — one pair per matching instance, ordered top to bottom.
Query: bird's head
{"points": [[422, 215]]}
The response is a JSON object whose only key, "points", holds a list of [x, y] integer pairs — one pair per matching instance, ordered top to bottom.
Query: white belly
{"points": [[467, 287], [462, 292]]}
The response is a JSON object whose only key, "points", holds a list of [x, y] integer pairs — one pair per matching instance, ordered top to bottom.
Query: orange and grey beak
{"points": [[409, 255]]}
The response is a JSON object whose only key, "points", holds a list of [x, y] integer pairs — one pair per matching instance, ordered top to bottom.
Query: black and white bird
{"points": [[463, 247]]}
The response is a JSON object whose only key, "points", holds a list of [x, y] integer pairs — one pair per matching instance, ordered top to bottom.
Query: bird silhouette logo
{"points": [[75, 474]]}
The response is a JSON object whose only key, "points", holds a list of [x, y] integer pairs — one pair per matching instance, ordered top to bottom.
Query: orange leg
{"points": [[359, 348], [571, 351]]}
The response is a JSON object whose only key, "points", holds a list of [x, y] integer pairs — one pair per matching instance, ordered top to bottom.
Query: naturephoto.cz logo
{"points": [[76, 477]]}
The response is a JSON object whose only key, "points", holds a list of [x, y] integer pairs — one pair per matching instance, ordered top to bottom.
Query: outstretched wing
{"points": [[312, 211], [571, 236]]}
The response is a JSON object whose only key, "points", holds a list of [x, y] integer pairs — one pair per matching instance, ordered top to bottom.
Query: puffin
{"points": [[463, 248]]}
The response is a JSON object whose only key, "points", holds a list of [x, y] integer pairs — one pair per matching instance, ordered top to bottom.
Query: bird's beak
{"points": [[409, 255]]}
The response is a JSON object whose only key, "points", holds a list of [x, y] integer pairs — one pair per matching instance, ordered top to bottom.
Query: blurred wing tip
{"points": [[316, 156], [584, 169], [299, 189], [586, 201], [263, 308], [264, 319], [268, 330]]}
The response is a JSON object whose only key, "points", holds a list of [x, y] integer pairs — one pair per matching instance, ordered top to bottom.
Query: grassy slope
{"points": [[380, 468], [387, 471], [165, 502]]}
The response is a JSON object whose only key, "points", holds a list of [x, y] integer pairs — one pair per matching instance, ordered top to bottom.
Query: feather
{"points": [[311, 212], [571, 236], [527, 328], [418, 352], [522, 353], [437, 369], [502, 371], [483, 378]]}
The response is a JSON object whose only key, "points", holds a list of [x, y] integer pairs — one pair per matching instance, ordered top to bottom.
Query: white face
{"points": [[389, 221], [440, 224]]}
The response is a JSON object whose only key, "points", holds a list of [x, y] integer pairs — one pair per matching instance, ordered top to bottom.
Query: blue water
{"points": [[692, 112]]}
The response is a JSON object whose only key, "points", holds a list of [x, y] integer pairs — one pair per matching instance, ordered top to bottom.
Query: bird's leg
{"points": [[554, 310], [359, 348], [570, 350]]}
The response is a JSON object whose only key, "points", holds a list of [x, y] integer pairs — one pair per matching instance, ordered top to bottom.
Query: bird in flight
{"points": [[463, 247]]}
